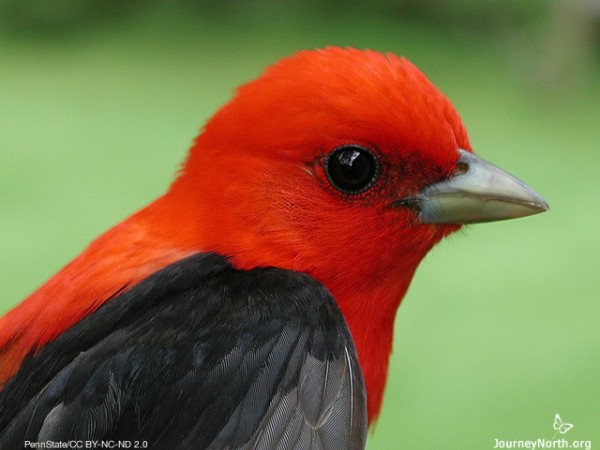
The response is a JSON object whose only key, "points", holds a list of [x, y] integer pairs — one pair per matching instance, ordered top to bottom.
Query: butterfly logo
{"points": [[560, 426]]}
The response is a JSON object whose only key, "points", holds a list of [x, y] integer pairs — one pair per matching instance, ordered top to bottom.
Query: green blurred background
{"points": [[99, 101]]}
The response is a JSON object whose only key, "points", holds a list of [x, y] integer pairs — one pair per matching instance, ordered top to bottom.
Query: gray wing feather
{"points": [[330, 397]]}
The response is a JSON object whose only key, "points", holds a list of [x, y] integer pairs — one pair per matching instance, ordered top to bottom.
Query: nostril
{"points": [[461, 168]]}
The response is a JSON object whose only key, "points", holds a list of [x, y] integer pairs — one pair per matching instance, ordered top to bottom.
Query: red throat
{"points": [[369, 301], [370, 317]]}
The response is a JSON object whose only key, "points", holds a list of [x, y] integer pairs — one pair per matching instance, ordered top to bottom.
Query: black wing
{"points": [[199, 355]]}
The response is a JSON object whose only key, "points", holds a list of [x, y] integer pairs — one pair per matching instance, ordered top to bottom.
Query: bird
{"points": [[252, 304]]}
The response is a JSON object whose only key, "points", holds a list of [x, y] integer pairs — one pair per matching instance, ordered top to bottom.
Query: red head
{"points": [[258, 184]]}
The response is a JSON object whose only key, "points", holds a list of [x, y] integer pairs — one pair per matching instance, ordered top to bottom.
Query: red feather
{"points": [[253, 188]]}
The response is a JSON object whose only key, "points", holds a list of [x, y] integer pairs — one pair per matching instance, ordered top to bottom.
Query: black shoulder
{"points": [[199, 355]]}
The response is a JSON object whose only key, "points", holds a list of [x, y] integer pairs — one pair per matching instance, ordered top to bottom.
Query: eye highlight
{"points": [[352, 169]]}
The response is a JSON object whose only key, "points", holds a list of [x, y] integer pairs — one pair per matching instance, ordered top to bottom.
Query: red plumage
{"points": [[254, 188]]}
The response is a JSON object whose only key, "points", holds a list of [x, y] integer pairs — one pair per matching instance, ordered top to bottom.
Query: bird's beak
{"points": [[477, 192]]}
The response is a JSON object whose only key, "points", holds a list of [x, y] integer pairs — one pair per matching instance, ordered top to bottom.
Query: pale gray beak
{"points": [[478, 192]]}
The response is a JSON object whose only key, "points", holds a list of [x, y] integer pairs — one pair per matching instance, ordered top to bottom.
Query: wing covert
{"points": [[200, 355]]}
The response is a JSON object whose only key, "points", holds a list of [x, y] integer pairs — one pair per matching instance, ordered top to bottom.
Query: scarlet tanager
{"points": [[209, 318]]}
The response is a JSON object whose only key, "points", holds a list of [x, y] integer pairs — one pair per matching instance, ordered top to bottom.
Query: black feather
{"points": [[199, 355]]}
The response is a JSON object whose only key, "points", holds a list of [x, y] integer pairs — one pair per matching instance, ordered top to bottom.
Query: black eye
{"points": [[352, 169]]}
